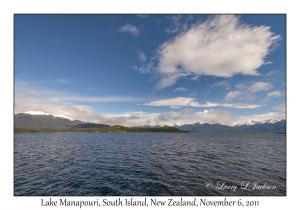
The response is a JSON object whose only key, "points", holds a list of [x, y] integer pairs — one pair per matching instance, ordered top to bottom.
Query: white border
{"points": [[9, 8]]}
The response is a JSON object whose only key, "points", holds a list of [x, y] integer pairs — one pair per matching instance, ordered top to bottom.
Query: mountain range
{"points": [[40, 121]]}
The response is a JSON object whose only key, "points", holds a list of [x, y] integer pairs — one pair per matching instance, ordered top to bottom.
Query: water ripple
{"points": [[146, 164]]}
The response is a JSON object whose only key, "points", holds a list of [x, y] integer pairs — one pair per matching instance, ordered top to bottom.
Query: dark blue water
{"points": [[144, 164]]}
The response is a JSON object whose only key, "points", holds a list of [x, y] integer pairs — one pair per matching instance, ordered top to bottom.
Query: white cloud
{"points": [[128, 28], [222, 46], [267, 63], [195, 78], [259, 86], [180, 89], [246, 92], [274, 94], [232, 95], [99, 99], [192, 102], [245, 106], [280, 107], [85, 113], [213, 116], [130, 118]]}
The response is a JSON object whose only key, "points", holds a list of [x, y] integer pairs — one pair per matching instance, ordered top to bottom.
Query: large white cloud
{"points": [[221, 46]]}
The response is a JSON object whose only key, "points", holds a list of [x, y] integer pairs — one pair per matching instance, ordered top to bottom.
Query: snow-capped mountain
{"points": [[36, 113], [43, 113], [39, 120], [252, 122], [266, 126], [271, 126]]}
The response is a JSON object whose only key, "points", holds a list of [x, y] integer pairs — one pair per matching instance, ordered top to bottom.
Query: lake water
{"points": [[145, 164]]}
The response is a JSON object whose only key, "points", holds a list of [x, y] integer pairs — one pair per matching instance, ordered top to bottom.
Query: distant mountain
{"points": [[43, 121], [252, 122], [47, 123], [267, 126], [205, 127]]}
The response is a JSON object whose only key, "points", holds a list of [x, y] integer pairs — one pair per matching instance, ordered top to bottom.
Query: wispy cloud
{"points": [[175, 19], [179, 23], [128, 28], [221, 46], [142, 56], [268, 63], [145, 68], [273, 72], [195, 78], [221, 84], [259, 86], [180, 89], [246, 92], [273, 94], [232, 95], [100, 99], [192, 102]]}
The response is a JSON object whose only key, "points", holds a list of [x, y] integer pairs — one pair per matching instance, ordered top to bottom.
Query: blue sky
{"points": [[151, 69]]}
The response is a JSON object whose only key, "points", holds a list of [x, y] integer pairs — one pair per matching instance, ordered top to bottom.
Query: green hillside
{"points": [[116, 128]]}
